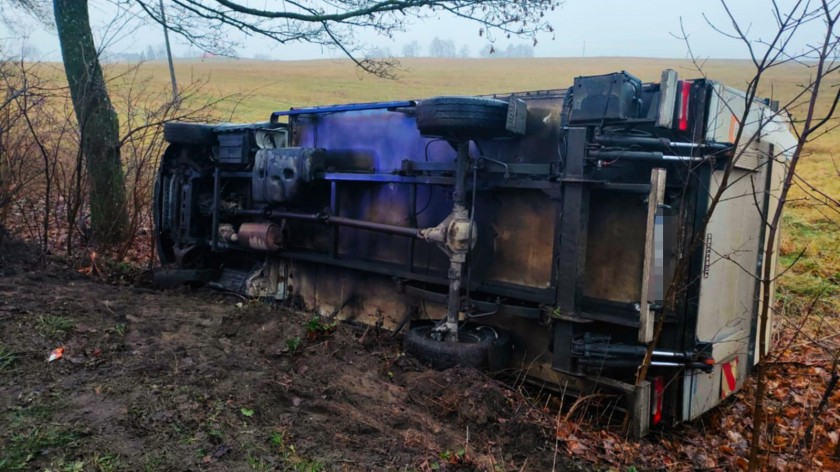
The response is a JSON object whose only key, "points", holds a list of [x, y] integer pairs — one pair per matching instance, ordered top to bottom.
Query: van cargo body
{"points": [[547, 225]]}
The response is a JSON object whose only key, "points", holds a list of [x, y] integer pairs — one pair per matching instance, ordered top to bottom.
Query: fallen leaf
{"points": [[734, 436], [575, 447], [220, 451]]}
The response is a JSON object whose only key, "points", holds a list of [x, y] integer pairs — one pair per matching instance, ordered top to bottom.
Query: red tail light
{"points": [[685, 91], [658, 394]]}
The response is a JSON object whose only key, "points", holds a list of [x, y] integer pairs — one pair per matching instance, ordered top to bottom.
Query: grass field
{"points": [[279, 85], [263, 87]]}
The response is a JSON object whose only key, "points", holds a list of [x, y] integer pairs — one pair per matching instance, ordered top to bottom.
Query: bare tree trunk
{"points": [[98, 121]]}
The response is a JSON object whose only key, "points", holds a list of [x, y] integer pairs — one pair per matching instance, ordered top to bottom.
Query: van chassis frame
{"points": [[561, 305]]}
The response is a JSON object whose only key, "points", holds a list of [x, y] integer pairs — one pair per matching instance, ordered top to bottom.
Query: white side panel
{"points": [[726, 109], [717, 126], [778, 169], [728, 285], [727, 290], [727, 308], [699, 387], [703, 391]]}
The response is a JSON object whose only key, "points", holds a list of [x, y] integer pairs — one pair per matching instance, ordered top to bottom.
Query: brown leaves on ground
{"points": [[720, 440]]}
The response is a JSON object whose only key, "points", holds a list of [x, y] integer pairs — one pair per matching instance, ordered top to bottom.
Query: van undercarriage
{"points": [[536, 231]]}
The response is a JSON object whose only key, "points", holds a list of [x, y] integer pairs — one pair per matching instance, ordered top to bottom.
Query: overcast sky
{"points": [[583, 28]]}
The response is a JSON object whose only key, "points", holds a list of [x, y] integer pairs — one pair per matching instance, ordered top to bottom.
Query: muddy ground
{"points": [[198, 380]]}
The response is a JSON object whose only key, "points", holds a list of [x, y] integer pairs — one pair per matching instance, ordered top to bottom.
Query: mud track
{"points": [[197, 380]]}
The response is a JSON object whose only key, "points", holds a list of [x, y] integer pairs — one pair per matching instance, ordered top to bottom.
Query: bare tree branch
{"points": [[336, 23]]}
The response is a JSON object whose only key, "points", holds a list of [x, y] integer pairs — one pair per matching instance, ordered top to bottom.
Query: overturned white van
{"points": [[533, 231]]}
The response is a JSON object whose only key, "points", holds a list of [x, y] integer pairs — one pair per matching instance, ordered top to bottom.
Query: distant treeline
{"points": [[440, 48], [447, 48]]}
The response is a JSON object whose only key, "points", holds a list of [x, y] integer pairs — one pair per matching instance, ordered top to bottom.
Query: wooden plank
{"points": [[655, 199], [616, 233], [640, 417]]}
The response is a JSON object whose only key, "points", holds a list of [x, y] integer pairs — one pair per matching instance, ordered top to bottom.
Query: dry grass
{"points": [[279, 85]]}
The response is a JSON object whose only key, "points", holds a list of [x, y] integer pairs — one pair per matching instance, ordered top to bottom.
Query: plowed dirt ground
{"points": [[198, 380]]}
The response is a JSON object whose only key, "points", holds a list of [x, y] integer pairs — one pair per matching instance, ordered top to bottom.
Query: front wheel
{"points": [[165, 205], [481, 347]]}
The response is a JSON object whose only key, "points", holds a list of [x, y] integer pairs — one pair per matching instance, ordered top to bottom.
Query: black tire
{"points": [[462, 117], [195, 134], [164, 244], [481, 347]]}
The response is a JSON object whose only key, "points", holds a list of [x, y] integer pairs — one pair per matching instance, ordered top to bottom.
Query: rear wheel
{"points": [[481, 347]]}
